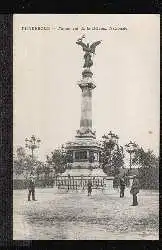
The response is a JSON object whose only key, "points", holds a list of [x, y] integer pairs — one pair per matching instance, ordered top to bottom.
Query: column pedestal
{"points": [[85, 146]]}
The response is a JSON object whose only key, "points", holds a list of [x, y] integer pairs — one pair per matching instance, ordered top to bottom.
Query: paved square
{"points": [[57, 215]]}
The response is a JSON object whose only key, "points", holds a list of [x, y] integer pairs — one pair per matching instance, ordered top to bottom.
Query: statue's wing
{"points": [[94, 45], [84, 46]]}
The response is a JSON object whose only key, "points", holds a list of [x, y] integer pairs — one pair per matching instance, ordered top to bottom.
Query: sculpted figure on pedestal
{"points": [[89, 51]]}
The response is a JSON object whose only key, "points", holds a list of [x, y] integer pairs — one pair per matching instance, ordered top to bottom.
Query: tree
{"points": [[20, 152], [111, 156], [145, 158], [57, 160], [117, 160], [18, 162], [23, 164], [39, 168], [149, 168]]}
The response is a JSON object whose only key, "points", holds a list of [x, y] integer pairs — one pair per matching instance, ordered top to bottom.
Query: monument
{"points": [[85, 150]]}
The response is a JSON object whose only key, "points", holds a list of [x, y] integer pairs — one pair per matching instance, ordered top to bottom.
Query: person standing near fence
{"points": [[126, 179], [116, 183], [89, 185], [31, 187], [122, 187], [135, 190]]}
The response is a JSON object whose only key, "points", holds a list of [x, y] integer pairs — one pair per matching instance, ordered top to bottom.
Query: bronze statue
{"points": [[89, 51]]}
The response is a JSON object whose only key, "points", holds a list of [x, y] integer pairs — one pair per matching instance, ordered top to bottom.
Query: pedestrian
{"points": [[127, 181], [116, 182], [31, 187], [89, 187], [122, 187], [135, 190]]}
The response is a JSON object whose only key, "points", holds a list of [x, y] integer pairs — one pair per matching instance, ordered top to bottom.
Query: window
{"points": [[77, 155], [81, 155]]}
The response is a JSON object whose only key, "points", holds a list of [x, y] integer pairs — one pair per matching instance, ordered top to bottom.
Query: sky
{"points": [[126, 71]]}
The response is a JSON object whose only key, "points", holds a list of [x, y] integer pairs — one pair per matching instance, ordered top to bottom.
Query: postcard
{"points": [[86, 122]]}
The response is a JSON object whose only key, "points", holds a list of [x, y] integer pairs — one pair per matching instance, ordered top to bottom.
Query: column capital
{"points": [[86, 82]]}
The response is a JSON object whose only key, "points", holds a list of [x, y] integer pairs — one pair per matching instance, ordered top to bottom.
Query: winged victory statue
{"points": [[89, 51]]}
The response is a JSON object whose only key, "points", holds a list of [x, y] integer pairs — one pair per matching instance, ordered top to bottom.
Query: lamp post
{"points": [[113, 137], [32, 143], [131, 147], [63, 150], [64, 154], [49, 166]]}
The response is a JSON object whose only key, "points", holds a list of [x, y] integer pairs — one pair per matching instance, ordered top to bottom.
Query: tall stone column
{"points": [[86, 85], [86, 108]]}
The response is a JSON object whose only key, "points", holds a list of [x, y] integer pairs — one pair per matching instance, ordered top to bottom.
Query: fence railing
{"points": [[64, 182], [77, 182], [71, 183]]}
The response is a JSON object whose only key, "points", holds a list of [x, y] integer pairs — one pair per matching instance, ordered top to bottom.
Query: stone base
{"points": [[85, 165], [77, 172], [84, 172], [98, 172]]}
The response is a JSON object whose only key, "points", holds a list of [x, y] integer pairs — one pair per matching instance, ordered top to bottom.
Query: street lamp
{"points": [[113, 137], [32, 143], [131, 147], [63, 150], [50, 164]]}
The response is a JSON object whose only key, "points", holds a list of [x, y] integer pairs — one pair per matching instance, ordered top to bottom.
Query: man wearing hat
{"points": [[31, 187], [89, 187], [122, 187], [135, 190]]}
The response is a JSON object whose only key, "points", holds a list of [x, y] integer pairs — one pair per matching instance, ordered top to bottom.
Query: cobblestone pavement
{"points": [[58, 215]]}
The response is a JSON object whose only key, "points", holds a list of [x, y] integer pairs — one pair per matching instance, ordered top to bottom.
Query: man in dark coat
{"points": [[126, 179], [116, 181], [89, 185], [122, 187], [31, 188], [135, 190]]}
